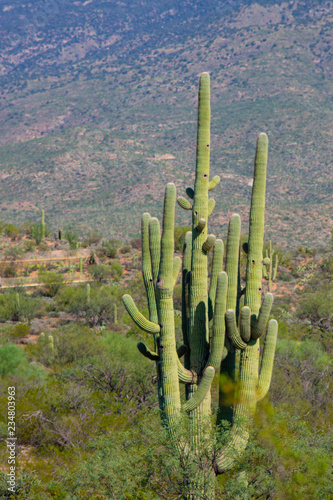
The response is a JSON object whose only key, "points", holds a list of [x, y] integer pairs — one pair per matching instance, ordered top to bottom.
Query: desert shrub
{"points": [[11, 231], [36, 233], [93, 238], [72, 239], [136, 243], [29, 246], [109, 248], [125, 248], [14, 252], [117, 269], [9, 271], [100, 272], [52, 281], [18, 306], [317, 307], [98, 309], [71, 344], [11, 356]]}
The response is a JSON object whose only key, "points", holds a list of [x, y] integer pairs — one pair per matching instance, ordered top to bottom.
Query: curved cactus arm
{"points": [[213, 182], [190, 193], [184, 203], [211, 205], [209, 243], [154, 246], [232, 260], [177, 264], [217, 266], [147, 268], [138, 318], [245, 323], [261, 323], [232, 330], [217, 342], [181, 350], [147, 353], [266, 368], [185, 376], [202, 390], [231, 454]]}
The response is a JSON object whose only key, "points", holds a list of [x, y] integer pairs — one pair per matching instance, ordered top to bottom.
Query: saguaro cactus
{"points": [[42, 225], [270, 269], [215, 326]]}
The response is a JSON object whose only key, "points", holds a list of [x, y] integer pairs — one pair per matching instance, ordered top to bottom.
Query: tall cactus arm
{"points": [[213, 182], [184, 203], [256, 230], [154, 247], [232, 260], [177, 264], [217, 266], [147, 268], [164, 297], [138, 318], [245, 323], [261, 323], [199, 328], [232, 330], [217, 342], [147, 353], [267, 360], [202, 390]]}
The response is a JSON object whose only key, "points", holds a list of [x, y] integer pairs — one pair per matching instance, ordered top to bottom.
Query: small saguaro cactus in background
{"points": [[42, 225], [270, 269], [221, 337]]}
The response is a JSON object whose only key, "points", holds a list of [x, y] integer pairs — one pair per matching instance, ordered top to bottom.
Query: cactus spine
{"points": [[233, 346]]}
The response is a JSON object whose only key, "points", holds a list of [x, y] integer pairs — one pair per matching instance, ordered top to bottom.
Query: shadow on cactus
{"points": [[221, 323]]}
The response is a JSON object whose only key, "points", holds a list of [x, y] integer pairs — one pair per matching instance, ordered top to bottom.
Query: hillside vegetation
{"points": [[98, 110], [86, 406]]}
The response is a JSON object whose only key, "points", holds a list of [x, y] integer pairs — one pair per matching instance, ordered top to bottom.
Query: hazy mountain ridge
{"points": [[100, 90]]}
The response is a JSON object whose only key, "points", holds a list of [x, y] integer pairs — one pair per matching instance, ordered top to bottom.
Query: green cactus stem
{"points": [[42, 225]]}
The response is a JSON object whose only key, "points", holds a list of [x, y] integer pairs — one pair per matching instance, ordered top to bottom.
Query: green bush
{"points": [[11, 231], [72, 239], [100, 272], [52, 281], [18, 306], [97, 310], [11, 356]]}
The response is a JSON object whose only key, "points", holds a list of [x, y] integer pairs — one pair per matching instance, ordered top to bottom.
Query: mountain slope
{"points": [[98, 110]]}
